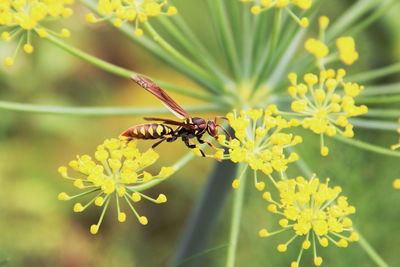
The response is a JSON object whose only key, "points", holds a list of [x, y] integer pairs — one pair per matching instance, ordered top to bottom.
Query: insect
{"points": [[190, 127]]}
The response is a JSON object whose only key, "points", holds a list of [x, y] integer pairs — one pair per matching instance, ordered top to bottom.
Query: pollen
{"points": [[116, 172]]}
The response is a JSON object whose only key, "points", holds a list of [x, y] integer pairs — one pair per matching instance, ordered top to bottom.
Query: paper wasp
{"points": [[191, 127]]}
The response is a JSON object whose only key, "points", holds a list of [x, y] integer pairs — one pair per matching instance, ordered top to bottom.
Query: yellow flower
{"points": [[259, 6], [134, 11], [21, 18], [346, 45], [316, 48], [347, 50], [326, 110], [259, 141], [116, 172], [396, 183], [313, 211]]}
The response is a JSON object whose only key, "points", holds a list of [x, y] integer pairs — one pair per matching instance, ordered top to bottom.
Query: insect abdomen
{"points": [[147, 131]]}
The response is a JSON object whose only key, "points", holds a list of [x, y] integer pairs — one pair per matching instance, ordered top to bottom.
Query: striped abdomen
{"points": [[147, 131]]}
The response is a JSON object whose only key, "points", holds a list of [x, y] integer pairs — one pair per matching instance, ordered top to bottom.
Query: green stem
{"points": [[378, 13], [349, 17], [224, 30], [183, 34], [154, 48], [91, 59], [265, 59], [118, 70], [375, 74], [203, 76], [393, 88], [378, 99], [96, 111], [383, 113], [375, 125], [367, 146], [177, 166], [238, 198], [205, 214], [371, 251], [184, 262]]}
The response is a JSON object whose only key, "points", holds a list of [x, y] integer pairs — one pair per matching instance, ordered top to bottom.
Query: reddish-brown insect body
{"points": [[189, 128]]}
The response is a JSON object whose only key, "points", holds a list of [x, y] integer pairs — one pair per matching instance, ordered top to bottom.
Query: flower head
{"points": [[264, 5], [133, 11], [21, 18], [346, 45], [325, 108], [260, 142], [116, 172], [314, 211]]}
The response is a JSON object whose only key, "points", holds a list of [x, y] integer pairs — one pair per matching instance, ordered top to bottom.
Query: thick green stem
{"points": [[96, 111], [238, 198], [205, 215], [371, 251]]}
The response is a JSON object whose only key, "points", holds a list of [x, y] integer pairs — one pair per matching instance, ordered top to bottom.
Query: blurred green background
{"points": [[38, 230]]}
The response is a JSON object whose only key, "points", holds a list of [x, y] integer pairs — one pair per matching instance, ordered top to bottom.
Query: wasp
{"points": [[189, 128]]}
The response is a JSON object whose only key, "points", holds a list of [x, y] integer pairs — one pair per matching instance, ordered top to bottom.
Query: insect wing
{"points": [[153, 88], [170, 122]]}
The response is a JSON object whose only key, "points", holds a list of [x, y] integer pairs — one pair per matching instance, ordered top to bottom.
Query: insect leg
{"points": [[220, 117], [225, 131], [171, 139], [201, 141], [159, 142], [189, 145]]}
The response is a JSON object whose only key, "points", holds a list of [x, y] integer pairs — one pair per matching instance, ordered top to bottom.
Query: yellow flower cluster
{"points": [[264, 5], [136, 11], [20, 18], [346, 45], [326, 111], [259, 141], [118, 173], [311, 210]]}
